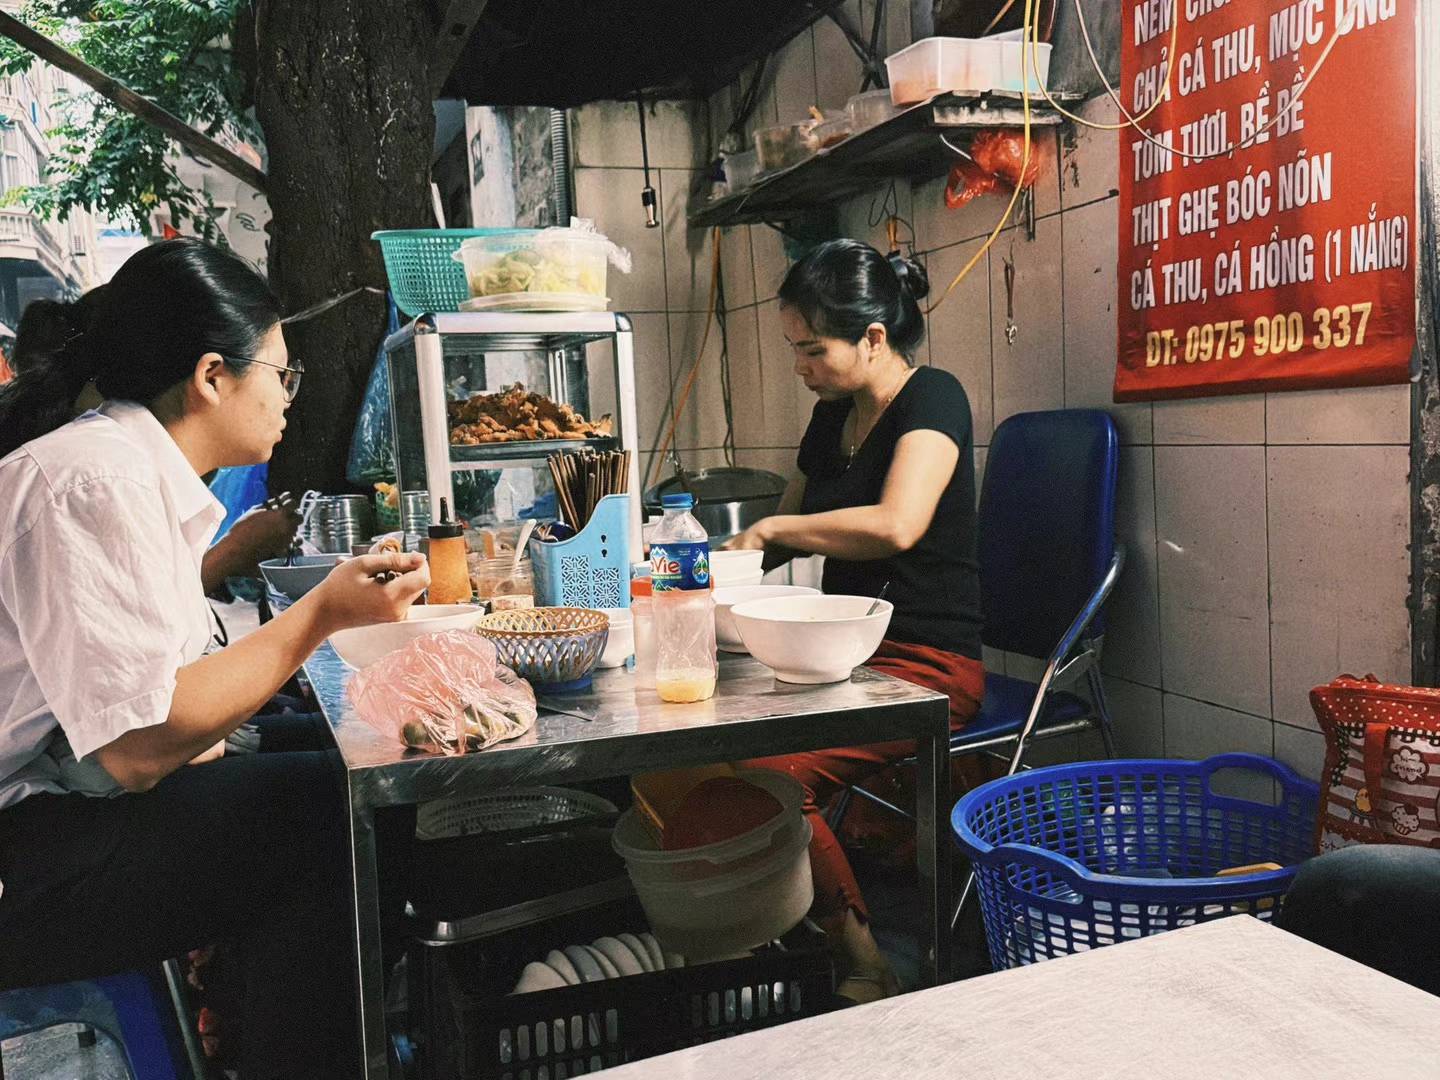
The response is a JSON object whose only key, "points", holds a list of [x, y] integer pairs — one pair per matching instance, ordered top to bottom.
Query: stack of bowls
{"points": [[337, 522]]}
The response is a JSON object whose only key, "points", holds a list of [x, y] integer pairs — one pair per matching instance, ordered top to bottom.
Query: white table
{"points": [[1235, 998]]}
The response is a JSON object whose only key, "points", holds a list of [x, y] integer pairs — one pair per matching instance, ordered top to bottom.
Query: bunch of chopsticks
{"points": [[585, 477]]}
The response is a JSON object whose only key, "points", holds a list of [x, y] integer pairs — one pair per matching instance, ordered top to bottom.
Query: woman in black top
{"points": [[886, 494]]}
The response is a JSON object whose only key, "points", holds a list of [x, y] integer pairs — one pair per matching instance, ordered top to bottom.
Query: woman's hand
{"points": [[752, 539], [362, 590]]}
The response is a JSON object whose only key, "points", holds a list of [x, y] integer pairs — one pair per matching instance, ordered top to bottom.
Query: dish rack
{"points": [[424, 357]]}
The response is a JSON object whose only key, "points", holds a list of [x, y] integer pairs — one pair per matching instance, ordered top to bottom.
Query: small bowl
{"points": [[729, 568], [293, 579], [726, 634], [812, 639], [620, 645], [361, 646], [555, 648]]}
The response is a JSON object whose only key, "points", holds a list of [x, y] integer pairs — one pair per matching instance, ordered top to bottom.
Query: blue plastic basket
{"points": [[420, 264], [592, 568], [1075, 857]]}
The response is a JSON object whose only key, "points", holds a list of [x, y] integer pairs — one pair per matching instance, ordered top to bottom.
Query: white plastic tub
{"points": [[1019, 58], [940, 65], [620, 645], [724, 899]]}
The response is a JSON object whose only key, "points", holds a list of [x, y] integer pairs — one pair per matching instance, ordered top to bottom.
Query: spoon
{"points": [[524, 539], [878, 597]]}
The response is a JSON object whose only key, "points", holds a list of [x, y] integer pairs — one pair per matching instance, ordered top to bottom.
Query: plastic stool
{"points": [[122, 1006]]}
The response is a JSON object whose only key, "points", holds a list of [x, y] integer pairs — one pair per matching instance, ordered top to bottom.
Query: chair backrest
{"points": [[1046, 525]]}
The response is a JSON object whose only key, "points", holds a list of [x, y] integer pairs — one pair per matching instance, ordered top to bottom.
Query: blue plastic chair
{"points": [[1048, 562], [122, 1006]]}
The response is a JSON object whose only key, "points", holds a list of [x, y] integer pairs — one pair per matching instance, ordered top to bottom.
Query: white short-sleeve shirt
{"points": [[103, 525]]}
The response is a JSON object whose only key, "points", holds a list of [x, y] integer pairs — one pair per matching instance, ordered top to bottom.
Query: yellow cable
{"points": [[1032, 52], [1014, 195]]}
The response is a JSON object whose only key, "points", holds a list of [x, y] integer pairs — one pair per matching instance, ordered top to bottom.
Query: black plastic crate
{"points": [[574, 1030]]}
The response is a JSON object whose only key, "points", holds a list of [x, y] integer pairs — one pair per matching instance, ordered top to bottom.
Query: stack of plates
{"points": [[609, 958]]}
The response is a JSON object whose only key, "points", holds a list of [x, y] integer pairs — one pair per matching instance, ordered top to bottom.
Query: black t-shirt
{"points": [[935, 586]]}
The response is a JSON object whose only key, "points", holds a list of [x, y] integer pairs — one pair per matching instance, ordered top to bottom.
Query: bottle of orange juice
{"points": [[683, 604]]}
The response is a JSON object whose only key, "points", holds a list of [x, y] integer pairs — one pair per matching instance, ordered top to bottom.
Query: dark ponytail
{"points": [[843, 286], [135, 337]]}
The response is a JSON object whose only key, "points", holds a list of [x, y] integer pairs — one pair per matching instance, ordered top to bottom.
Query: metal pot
{"points": [[727, 501]]}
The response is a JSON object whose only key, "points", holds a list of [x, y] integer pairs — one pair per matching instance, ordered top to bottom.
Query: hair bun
{"points": [[912, 275]]}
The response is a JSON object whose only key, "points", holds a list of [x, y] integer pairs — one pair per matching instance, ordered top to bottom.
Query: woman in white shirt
{"points": [[114, 854]]}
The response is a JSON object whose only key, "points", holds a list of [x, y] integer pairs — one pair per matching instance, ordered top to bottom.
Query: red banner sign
{"points": [[1267, 235]]}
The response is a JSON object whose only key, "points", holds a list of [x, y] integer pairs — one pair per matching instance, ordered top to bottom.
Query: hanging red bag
{"points": [[1382, 763]]}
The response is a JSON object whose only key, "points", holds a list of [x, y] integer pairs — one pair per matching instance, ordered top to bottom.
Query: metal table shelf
{"points": [[907, 145], [751, 715]]}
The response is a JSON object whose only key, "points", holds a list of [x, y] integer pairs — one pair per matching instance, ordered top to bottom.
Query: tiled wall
{"points": [[1267, 534]]}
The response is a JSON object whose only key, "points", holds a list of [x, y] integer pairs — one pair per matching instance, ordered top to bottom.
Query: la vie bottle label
{"points": [[683, 565]]}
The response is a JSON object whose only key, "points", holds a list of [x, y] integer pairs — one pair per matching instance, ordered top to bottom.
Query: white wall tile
{"points": [[897, 25], [838, 73], [794, 83], [607, 134], [1089, 167], [1047, 185], [611, 197], [865, 216], [937, 226], [688, 254], [771, 262], [738, 265], [1090, 326], [959, 330], [652, 374], [1029, 375], [747, 397], [784, 399], [1366, 414], [1210, 421], [702, 423], [779, 460], [1339, 523], [1214, 614], [1132, 634], [1136, 717], [1195, 730], [1303, 751]]}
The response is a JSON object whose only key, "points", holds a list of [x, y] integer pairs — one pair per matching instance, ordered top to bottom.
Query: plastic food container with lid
{"points": [[948, 65], [870, 108], [785, 145], [557, 269]]}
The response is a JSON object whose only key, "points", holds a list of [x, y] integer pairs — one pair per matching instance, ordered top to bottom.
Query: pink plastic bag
{"points": [[445, 693]]}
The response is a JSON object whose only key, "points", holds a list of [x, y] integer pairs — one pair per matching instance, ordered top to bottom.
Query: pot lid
{"points": [[721, 485]]}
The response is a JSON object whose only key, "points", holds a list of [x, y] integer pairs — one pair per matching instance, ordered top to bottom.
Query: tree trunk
{"points": [[342, 97]]}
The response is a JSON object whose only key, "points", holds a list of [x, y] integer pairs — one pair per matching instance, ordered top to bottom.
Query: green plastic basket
{"points": [[420, 264]]}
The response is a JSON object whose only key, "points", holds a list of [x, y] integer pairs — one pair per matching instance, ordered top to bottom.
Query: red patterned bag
{"points": [[1382, 763]]}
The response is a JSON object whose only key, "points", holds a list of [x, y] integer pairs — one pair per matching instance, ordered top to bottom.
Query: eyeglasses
{"points": [[289, 376]]}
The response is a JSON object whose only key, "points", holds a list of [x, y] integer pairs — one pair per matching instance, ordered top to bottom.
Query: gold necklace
{"points": [[856, 443]]}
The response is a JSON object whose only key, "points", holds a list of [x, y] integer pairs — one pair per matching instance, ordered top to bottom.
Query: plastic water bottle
{"points": [[683, 604]]}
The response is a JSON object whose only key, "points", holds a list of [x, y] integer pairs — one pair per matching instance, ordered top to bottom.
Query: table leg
{"points": [[932, 822], [370, 991]]}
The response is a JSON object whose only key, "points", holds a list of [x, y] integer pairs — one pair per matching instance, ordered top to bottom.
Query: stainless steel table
{"points": [[751, 715], [1231, 998]]}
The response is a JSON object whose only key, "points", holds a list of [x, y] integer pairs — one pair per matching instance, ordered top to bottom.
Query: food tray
{"points": [[523, 448]]}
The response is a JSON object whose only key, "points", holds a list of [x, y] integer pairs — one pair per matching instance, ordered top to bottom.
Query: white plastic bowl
{"points": [[729, 568], [294, 580], [726, 635], [812, 639], [620, 645], [361, 646], [724, 898]]}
